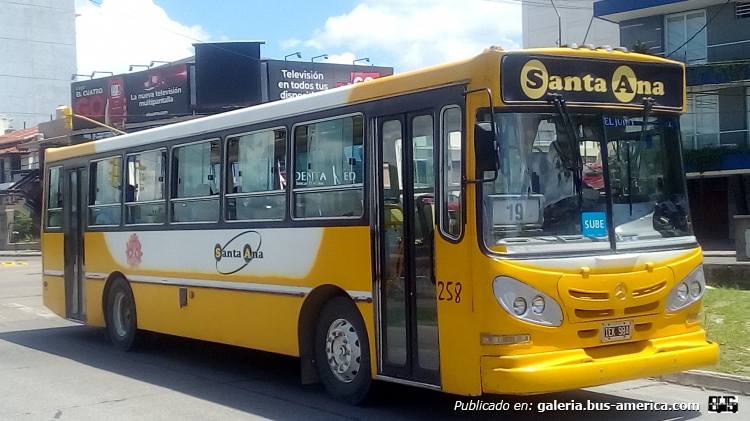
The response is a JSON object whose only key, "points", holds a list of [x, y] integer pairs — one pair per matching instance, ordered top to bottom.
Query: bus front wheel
{"points": [[121, 317], [342, 351]]}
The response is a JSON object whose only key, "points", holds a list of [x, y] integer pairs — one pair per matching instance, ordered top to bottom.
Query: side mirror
{"points": [[485, 147]]}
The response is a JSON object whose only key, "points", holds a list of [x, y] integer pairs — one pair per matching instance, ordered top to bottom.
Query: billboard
{"points": [[227, 75], [289, 79], [157, 93], [152, 94], [89, 99]]}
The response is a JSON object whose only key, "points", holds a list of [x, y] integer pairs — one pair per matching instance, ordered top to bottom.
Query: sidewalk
{"points": [[19, 254]]}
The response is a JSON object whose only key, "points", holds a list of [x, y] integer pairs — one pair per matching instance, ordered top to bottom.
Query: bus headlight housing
{"points": [[688, 291], [514, 296], [519, 306]]}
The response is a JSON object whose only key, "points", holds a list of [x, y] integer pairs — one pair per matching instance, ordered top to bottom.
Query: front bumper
{"points": [[576, 368]]}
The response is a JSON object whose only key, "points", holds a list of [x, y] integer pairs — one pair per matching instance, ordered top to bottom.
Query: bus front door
{"points": [[74, 212], [407, 305]]}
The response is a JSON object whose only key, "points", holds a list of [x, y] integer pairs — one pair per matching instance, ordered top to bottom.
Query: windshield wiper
{"points": [[648, 102], [573, 144]]}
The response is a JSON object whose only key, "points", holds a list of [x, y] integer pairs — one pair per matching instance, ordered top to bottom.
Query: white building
{"points": [[550, 23], [37, 59]]}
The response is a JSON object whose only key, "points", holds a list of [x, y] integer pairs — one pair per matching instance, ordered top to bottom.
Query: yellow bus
{"points": [[512, 223]]}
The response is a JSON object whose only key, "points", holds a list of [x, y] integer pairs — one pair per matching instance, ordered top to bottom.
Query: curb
{"points": [[20, 254], [735, 275], [710, 380]]}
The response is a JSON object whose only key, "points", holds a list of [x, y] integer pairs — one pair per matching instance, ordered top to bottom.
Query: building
{"points": [[550, 23], [712, 37], [37, 59], [18, 155], [20, 186]]}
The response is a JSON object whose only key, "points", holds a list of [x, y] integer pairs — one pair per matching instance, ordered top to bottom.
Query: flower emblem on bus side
{"points": [[133, 251]]}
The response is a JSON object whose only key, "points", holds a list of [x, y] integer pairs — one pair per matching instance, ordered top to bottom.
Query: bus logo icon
{"points": [[238, 252], [722, 404]]}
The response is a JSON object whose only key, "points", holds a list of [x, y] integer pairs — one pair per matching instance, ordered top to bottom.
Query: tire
{"points": [[122, 324], [342, 351]]}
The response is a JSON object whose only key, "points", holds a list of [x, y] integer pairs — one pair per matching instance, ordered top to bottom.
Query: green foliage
{"points": [[640, 47], [709, 158], [705, 159], [24, 225], [727, 324]]}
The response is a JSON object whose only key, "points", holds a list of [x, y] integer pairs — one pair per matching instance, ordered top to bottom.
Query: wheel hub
{"points": [[121, 315], [343, 350]]}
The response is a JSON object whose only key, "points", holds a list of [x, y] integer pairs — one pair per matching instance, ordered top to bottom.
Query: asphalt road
{"points": [[52, 369]]}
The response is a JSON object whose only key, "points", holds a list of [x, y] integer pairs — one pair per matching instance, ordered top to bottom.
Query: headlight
{"points": [[696, 289], [682, 291], [687, 291], [514, 296], [537, 305], [519, 306]]}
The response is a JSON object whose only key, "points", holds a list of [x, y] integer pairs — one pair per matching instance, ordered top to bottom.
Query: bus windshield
{"points": [[556, 181]]}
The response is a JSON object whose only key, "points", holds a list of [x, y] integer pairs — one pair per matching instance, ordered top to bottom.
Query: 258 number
{"points": [[449, 291]]}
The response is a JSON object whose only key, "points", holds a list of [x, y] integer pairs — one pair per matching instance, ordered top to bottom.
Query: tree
{"points": [[24, 225]]}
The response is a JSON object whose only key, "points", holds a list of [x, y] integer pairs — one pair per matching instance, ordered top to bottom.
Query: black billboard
{"points": [[227, 75], [528, 78], [289, 79], [157, 93], [153, 94]]}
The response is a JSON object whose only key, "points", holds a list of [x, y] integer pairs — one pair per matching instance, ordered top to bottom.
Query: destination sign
{"points": [[528, 78]]}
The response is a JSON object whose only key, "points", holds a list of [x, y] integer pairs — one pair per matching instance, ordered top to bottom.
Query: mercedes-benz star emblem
{"points": [[621, 291]]}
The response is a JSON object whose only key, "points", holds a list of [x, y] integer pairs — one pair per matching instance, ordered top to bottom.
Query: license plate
{"points": [[617, 331]]}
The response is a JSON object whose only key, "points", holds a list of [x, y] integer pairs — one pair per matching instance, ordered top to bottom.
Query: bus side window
{"points": [[329, 168], [257, 176], [195, 182], [144, 188], [105, 191], [54, 198], [451, 201]]}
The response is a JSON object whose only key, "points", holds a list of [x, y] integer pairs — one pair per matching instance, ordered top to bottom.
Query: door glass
{"points": [[451, 223], [73, 227], [74, 231], [393, 234], [424, 242]]}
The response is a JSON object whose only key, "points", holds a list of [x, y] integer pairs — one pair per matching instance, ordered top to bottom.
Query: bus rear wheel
{"points": [[121, 318], [342, 351]]}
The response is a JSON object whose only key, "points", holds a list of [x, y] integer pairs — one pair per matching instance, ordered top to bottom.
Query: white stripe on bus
{"points": [[227, 285]]}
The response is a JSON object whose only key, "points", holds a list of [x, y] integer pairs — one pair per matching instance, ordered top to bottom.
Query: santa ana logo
{"points": [[536, 81], [238, 252]]}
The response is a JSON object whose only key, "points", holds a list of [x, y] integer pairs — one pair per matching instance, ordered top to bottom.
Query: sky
{"points": [[403, 34]]}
